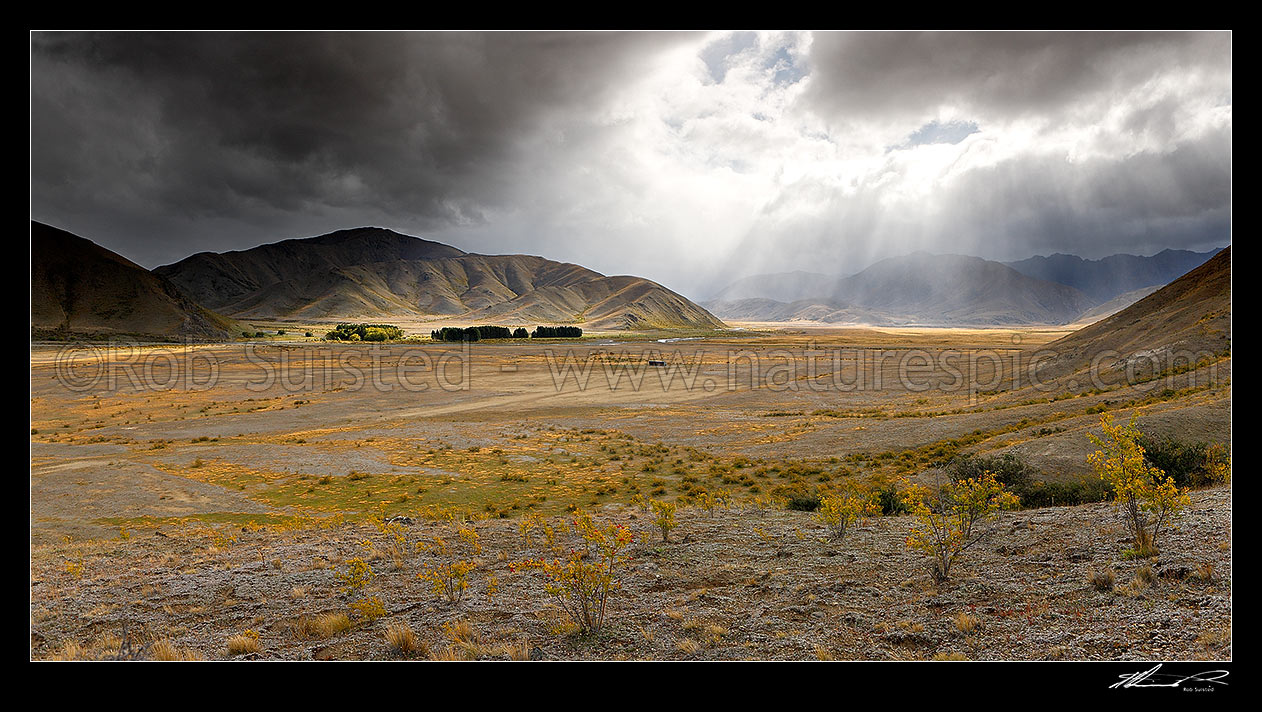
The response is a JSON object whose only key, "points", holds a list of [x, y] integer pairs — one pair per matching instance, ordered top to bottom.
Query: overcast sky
{"points": [[688, 158]]}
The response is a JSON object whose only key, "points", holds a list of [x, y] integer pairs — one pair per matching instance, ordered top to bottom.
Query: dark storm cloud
{"points": [[1001, 73], [251, 126], [690, 159], [1140, 203]]}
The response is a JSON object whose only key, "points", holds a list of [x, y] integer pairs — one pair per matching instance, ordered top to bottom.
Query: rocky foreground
{"points": [[732, 585]]}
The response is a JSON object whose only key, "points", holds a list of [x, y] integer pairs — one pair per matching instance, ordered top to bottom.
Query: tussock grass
{"points": [[1102, 581], [966, 623], [322, 626], [1215, 638], [403, 641], [466, 641], [244, 644], [688, 646], [519, 650], [167, 651]]}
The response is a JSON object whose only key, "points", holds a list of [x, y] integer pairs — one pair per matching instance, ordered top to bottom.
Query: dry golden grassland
{"points": [[211, 520]]}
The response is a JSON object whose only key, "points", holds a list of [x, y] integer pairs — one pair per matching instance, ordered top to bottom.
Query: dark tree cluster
{"points": [[556, 332], [478, 333]]}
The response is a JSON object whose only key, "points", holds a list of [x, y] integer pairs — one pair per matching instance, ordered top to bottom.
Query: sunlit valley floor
{"points": [[175, 519]]}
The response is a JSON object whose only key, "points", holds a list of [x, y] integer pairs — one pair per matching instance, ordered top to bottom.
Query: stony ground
{"points": [[167, 521], [732, 585]]}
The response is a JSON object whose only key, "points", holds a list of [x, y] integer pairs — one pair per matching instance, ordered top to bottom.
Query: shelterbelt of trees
{"points": [[389, 332], [477, 333]]}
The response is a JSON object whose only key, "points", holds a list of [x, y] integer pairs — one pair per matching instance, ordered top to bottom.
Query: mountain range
{"points": [[373, 273], [368, 274], [1112, 276], [920, 288], [923, 288], [1189, 316]]}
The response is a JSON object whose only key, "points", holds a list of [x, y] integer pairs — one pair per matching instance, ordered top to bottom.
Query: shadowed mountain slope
{"points": [[79, 288], [1188, 318]]}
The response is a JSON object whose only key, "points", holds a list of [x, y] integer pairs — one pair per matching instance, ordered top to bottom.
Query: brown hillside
{"points": [[371, 273], [80, 289], [1189, 316]]}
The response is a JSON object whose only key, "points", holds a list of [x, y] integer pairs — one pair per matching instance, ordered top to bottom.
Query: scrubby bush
{"points": [[1189, 464], [1008, 470], [1025, 480], [1062, 494], [1146, 497], [798, 498], [710, 501], [890, 501], [761, 504], [840, 510], [664, 517], [949, 517], [355, 578], [448, 580], [581, 583], [369, 608]]}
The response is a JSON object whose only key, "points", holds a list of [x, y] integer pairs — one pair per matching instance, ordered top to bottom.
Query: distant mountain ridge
{"points": [[375, 273], [1112, 276], [80, 289], [927, 289], [899, 290], [1191, 315]]}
